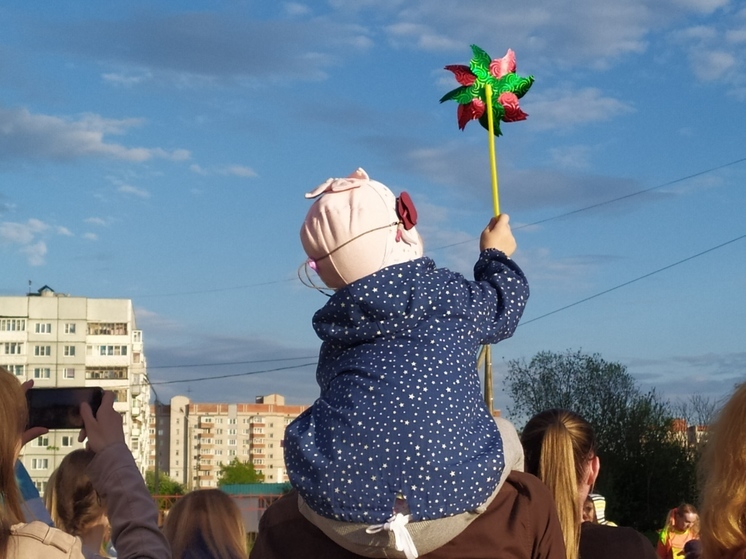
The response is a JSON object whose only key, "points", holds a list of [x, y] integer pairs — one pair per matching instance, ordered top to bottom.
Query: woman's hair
{"points": [[13, 415], [558, 445], [724, 472], [75, 504], [209, 519]]}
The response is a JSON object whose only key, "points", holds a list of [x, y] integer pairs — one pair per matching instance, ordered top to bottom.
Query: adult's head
{"points": [[13, 414], [560, 449], [724, 472], [76, 506], [209, 521]]}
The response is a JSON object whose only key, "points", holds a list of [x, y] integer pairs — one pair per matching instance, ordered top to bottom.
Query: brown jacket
{"points": [[130, 508], [520, 523]]}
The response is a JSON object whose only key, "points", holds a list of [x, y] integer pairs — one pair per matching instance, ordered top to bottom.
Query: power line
{"points": [[626, 283], [522, 323], [231, 363], [233, 375]]}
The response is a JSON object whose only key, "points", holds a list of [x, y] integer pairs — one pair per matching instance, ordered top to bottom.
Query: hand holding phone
{"points": [[105, 428]]}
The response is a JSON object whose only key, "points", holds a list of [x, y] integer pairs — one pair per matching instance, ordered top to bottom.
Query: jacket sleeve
{"points": [[498, 296], [130, 508]]}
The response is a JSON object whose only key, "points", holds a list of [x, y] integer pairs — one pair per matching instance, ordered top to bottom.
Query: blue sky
{"points": [[160, 151]]}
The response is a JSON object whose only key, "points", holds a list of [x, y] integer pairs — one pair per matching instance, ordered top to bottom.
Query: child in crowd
{"points": [[400, 432], [682, 525]]}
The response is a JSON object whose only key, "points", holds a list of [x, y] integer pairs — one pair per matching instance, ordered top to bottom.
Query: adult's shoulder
{"points": [[609, 542]]}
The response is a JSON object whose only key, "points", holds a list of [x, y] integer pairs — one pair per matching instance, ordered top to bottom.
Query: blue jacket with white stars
{"points": [[401, 409]]}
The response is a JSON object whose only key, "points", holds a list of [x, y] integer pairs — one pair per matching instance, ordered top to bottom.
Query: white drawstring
{"points": [[397, 524]]}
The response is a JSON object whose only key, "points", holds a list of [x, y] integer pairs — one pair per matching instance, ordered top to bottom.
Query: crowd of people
{"points": [[399, 457]]}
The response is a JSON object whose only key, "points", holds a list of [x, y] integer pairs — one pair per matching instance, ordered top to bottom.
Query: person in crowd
{"points": [[397, 371], [560, 449], [723, 469], [114, 474], [75, 506], [599, 508], [589, 511], [206, 524], [682, 525]]}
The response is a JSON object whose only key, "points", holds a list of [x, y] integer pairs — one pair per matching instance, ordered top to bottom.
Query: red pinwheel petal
{"points": [[505, 65], [463, 74], [469, 111], [513, 112], [406, 211]]}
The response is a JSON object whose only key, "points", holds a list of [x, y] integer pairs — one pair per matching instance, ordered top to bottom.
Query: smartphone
{"points": [[59, 408]]}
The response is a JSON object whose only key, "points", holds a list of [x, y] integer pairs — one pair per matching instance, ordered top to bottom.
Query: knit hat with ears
{"points": [[356, 227]]}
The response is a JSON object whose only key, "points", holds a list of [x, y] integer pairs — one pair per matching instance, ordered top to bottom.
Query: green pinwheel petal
{"points": [[480, 64], [513, 83], [453, 94], [496, 124]]}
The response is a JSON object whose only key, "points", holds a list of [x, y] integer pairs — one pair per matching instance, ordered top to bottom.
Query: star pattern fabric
{"points": [[400, 409]]}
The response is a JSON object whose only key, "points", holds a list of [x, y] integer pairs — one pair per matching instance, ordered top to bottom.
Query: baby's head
{"points": [[356, 227]]}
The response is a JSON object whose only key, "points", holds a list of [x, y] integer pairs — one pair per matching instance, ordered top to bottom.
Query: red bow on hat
{"points": [[406, 211]]}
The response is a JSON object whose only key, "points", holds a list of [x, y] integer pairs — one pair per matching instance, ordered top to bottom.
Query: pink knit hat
{"points": [[356, 227]]}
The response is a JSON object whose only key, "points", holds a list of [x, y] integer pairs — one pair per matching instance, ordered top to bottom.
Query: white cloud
{"points": [[295, 9], [125, 80], [564, 108], [38, 137], [571, 157], [197, 169], [239, 171], [133, 190], [95, 221], [64, 231], [90, 236], [26, 237], [35, 253]]}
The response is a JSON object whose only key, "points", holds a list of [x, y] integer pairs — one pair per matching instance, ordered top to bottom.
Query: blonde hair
{"points": [[13, 416], [558, 445], [724, 472], [76, 506], [680, 511], [210, 518]]}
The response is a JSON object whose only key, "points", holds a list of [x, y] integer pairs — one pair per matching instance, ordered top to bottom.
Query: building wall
{"points": [[63, 341], [202, 436]]}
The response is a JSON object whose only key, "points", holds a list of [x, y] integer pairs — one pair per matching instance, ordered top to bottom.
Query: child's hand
{"points": [[497, 235]]}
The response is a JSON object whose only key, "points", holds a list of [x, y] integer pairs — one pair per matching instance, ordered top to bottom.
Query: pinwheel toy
{"points": [[489, 92]]}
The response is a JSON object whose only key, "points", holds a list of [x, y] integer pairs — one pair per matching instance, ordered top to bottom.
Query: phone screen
{"points": [[59, 408]]}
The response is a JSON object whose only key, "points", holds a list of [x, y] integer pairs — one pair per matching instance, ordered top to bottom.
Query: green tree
{"points": [[644, 470], [237, 472], [166, 485]]}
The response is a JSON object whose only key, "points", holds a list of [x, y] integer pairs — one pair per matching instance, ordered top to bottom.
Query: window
{"points": [[13, 325], [43, 328], [70, 328], [107, 328], [13, 348], [43, 350], [69, 350], [112, 350], [17, 370], [42, 372], [68, 373], [105, 373], [232, 421], [218, 431], [231, 431], [67, 440], [42, 441], [232, 442], [231, 452], [257, 461], [39, 463], [41, 486]]}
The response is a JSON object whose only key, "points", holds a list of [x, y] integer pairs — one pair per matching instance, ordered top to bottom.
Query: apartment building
{"points": [[60, 340], [194, 439]]}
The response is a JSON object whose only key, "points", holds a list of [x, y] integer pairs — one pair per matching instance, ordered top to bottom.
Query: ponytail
{"points": [[557, 446]]}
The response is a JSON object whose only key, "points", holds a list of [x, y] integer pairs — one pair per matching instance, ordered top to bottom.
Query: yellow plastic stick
{"points": [[491, 141]]}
